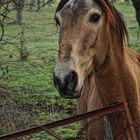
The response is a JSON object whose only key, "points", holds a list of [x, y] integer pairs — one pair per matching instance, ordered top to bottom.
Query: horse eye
{"points": [[94, 18]]}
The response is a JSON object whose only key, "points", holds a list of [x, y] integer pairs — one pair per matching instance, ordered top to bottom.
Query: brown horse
{"points": [[94, 64]]}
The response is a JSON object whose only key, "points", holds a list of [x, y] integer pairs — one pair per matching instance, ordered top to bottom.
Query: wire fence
{"points": [[119, 107]]}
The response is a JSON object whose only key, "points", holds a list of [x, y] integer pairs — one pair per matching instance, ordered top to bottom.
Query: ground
{"points": [[30, 79]]}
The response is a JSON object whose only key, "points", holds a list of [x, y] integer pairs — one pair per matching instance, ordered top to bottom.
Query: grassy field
{"points": [[31, 80]]}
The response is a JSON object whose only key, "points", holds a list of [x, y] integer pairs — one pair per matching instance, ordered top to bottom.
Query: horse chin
{"points": [[70, 94]]}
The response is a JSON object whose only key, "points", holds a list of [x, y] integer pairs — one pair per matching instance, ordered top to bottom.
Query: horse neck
{"points": [[108, 79], [114, 80], [114, 83]]}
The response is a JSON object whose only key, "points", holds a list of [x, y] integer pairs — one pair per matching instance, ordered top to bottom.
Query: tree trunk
{"points": [[32, 2], [38, 4], [13, 6], [19, 9]]}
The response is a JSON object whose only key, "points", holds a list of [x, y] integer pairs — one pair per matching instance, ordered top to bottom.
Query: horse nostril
{"points": [[71, 80], [57, 83], [69, 83]]}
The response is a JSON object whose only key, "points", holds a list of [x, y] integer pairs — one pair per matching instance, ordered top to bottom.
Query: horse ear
{"points": [[60, 5]]}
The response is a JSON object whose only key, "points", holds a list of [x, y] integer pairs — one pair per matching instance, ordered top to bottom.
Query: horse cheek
{"points": [[101, 50]]}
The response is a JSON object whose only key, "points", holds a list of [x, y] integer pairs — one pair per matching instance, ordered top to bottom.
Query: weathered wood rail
{"points": [[119, 107]]}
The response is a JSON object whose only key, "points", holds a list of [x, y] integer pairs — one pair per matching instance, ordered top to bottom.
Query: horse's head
{"points": [[84, 40]]}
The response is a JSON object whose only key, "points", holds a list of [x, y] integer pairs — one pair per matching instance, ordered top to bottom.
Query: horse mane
{"points": [[114, 21]]}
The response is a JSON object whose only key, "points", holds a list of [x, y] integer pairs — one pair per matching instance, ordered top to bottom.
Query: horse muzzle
{"points": [[67, 85]]}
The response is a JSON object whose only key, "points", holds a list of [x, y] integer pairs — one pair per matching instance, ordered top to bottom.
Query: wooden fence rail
{"points": [[119, 107]]}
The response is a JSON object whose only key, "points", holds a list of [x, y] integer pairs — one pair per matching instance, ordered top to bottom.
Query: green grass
{"points": [[129, 15], [40, 41], [31, 79]]}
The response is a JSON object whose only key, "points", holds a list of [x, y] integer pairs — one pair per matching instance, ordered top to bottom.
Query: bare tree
{"points": [[31, 3], [38, 5], [19, 8], [4, 10], [23, 52]]}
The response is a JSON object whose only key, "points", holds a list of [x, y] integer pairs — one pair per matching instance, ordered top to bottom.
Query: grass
{"points": [[129, 15], [40, 42], [31, 79]]}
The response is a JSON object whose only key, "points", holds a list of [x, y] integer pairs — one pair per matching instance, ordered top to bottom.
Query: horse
{"points": [[95, 65]]}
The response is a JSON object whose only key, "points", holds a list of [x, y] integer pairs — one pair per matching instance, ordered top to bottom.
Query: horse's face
{"points": [[81, 23]]}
